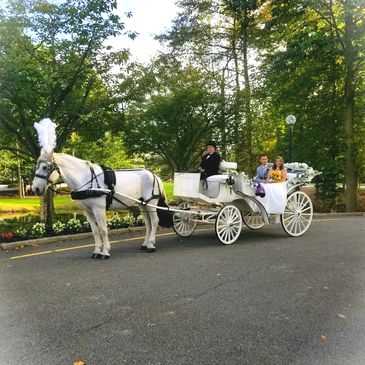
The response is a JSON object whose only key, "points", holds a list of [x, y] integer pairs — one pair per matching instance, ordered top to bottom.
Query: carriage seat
{"points": [[211, 186]]}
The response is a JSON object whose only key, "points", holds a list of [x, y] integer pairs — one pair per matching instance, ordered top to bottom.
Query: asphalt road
{"points": [[267, 299]]}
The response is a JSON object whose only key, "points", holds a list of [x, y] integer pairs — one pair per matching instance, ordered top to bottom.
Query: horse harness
{"points": [[109, 181]]}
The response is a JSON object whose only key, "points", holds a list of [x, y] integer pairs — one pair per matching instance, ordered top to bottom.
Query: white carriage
{"points": [[228, 201]]}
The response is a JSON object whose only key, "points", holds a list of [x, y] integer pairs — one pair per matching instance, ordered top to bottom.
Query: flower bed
{"points": [[73, 225]]}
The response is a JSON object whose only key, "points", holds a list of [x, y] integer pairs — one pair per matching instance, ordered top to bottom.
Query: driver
{"points": [[210, 161]]}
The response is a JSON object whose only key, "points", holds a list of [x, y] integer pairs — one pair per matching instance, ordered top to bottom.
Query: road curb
{"points": [[128, 232]]}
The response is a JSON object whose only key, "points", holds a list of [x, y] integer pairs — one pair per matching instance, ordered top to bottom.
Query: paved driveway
{"points": [[267, 299]]}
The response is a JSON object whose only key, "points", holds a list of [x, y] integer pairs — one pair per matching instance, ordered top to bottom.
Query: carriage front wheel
{"points": [[298, 214], [184, 224], [228, 224]]}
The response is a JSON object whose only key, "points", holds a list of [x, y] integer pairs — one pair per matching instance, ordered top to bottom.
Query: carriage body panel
{"points": [[214, 189]]}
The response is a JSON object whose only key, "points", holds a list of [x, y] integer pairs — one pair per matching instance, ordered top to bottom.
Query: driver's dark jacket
{"points": [[210, 164]]}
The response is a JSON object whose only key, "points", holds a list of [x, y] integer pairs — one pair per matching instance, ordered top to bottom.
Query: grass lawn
{"points": [[169, 188], [62, 202], [32, 204]]}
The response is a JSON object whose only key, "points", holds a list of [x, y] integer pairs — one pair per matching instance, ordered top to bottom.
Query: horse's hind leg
{"points": [[100, 217], [151, 220], [147, 222], [154, 224], [95, 229]]}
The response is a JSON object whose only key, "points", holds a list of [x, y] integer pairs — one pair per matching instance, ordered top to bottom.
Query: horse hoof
{"points": [[143, 248], [151, 249], [96, 255], [104, 257]]}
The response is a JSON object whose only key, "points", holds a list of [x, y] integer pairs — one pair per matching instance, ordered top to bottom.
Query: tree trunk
{"points": [[247, 96], [236, 112], [222, 121], [351, 174], [20, 179], [47, 210]]}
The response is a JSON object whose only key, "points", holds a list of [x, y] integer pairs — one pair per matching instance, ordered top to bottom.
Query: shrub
{"points": [[140, 220], [129, 221], [115, 222], [73, 226], [86, 226], [58, 227], [38, 230], [21, 232], [6, 236]]}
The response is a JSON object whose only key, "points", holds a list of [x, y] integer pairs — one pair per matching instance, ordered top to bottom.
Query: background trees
{"points": [[315, 49], [50, 58], [49, 67], [232, 70], [176, 116]]}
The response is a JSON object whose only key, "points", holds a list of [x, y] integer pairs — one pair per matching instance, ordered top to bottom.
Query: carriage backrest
{"points": [[227, 166]]}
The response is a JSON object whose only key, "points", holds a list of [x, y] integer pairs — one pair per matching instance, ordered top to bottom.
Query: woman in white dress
{"points": [[277, 172]]}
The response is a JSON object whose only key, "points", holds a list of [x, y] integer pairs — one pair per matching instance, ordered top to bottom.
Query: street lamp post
{"points": [[290, 121]]}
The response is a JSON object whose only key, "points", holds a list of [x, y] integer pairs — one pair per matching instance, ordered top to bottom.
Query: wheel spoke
{"points": [[308, 208], [298, 214], [253, 220], [184, 224], [228, 224]]}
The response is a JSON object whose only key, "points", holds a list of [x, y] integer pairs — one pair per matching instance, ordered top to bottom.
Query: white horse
{"points": [[82, 175]]}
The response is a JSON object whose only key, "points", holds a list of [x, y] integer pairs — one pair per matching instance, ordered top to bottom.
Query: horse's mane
{"points": [[74, 159]]}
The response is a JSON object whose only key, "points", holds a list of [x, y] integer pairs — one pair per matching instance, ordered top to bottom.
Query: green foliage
{"points": [[306, 59], [308, 62], [49, 67], [176, 117], [108, 150]]}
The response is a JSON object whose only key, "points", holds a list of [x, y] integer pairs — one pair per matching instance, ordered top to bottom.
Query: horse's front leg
{"points": [[100, 217], [95, 230]]}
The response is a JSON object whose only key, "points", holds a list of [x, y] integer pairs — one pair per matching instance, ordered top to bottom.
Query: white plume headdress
{"points": [[46, 130]]}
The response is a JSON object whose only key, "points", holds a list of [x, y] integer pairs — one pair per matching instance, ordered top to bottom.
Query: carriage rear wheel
{"points": [[298, 214], [253, 220], [184, 224], [228, 224]]}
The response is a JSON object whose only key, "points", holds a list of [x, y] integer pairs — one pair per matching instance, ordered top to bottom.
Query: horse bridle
{"points": [[51, 166]]}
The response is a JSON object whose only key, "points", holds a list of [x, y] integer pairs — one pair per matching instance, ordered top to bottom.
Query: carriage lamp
{"points": [[290, 121]]}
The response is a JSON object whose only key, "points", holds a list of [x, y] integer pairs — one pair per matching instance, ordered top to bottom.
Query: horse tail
{"points": [[162, 190], [164, 216]]}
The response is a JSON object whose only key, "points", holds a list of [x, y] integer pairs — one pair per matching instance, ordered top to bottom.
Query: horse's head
{"points": [[46, 173]]}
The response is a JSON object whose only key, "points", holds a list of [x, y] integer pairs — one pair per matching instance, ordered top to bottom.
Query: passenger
{"points": [[210, 161], [263, 170], [278, 172]]}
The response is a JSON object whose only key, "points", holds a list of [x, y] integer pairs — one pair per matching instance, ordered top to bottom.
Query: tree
{"points": [[220, 36], [48, 59], [307, 59], [49, 68], [175, 117], [108, 150]]}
